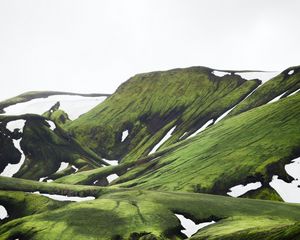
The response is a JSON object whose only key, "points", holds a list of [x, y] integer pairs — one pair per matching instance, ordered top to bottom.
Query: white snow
{"points": [[291, 72], [219, 73], [263, 76], [293, 93], [276, 98], [73, 105], [228, 111], [224, 114], [52, 124], [12, 125], [201, 129], [124, 135], [183, 135], [163, 140], [111, 162], [63, 166], [75, 168], [12, 169], [293, 169], [111, 177], [42, 179], [47, 179], [95, 182], [240, 190], [290, 192], [65, 198], [3, 212], [190, 227]]}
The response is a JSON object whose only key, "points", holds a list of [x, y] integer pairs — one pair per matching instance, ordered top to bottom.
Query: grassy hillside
{"points": [[284, 84], [149, 105], [253, 143], [250, 147], [44, 149], [139, 214]]}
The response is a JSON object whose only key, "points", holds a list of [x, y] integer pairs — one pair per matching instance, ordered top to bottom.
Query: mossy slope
{"points": [[283, 84], [149, 105], [250, 147], [44, 149], [137, 214]]}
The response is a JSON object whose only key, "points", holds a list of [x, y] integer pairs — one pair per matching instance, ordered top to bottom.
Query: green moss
{"points": [[283, 83], [150, 104], [58, 116], [252, 146], [44, 149], [8, 152], [264, 193], [20, 204], [127, 214]]}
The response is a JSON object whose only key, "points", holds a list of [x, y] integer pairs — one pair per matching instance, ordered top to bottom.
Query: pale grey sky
{"points": [[93, 46]]}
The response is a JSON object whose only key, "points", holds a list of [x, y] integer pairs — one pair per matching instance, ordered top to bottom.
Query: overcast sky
{"points": [[93, 46]]}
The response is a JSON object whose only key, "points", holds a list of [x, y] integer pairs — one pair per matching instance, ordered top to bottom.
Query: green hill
{"points": [[149, 105], [249, 137]]}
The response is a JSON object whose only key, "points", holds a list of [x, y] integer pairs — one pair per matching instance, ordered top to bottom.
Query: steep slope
{"points": [[284, 84], [149, 105], [150, 124], [250, 147], [44, 149], [8, 152]]}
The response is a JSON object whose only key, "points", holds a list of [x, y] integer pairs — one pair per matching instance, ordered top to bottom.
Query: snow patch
{"points": [[291, 72], [219, 73], [263, 76], [293, 93], [276, 98], [74, 106], [224, 114], [16, 124], [52, 125], [202, 128], [124, 135], [183, 135], [163, 140], [111, 162], [63, 166], [75, 168], [12, 169], [111, 177], [42, 179], [47, 179], [95, 182], [240, 190], [289, 192], [65, 198], [3, 212], [190, 228]]}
